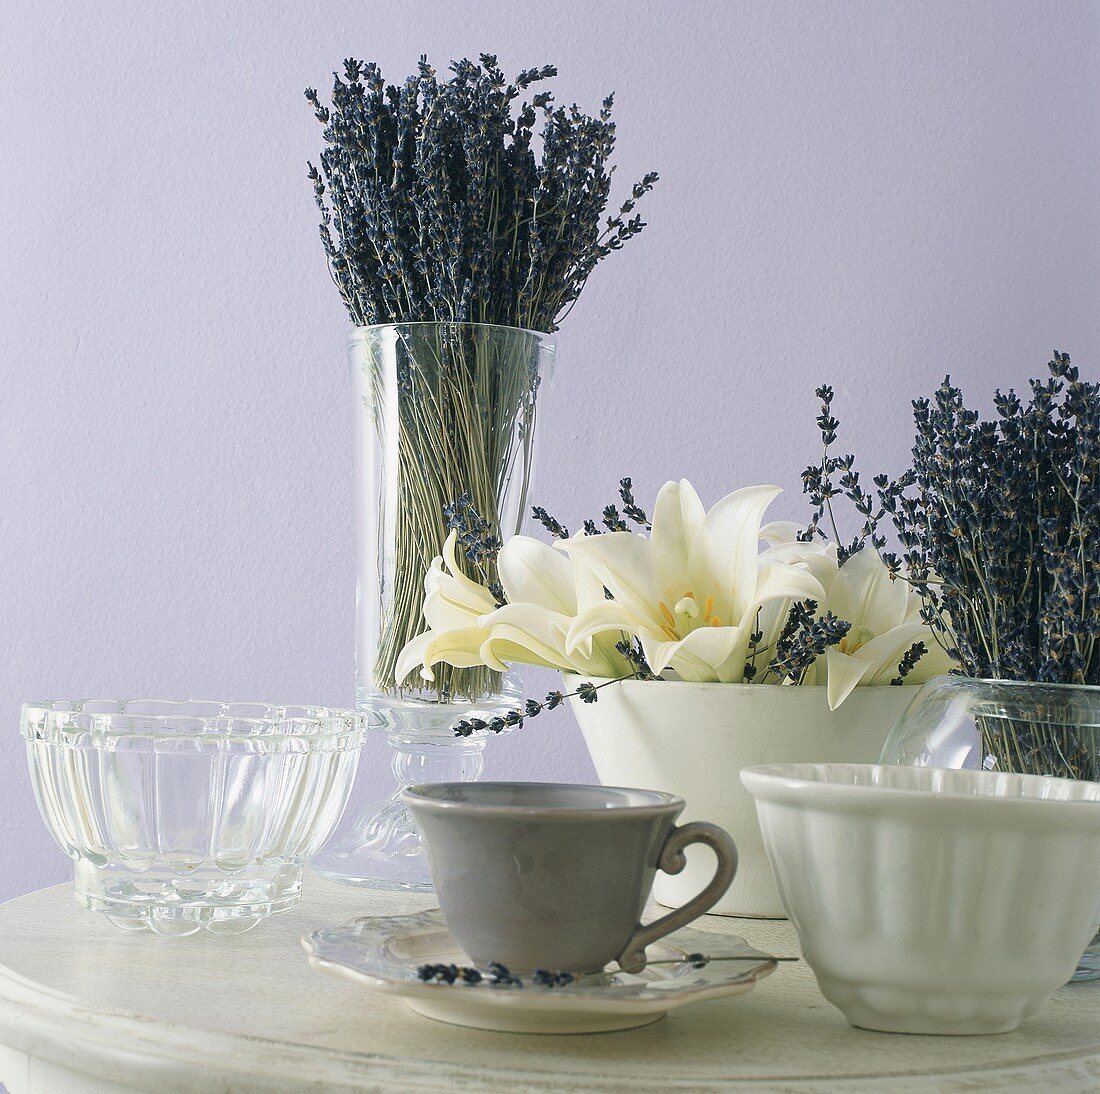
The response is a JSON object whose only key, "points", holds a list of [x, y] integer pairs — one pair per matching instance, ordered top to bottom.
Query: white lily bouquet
{"points": [[707, 596]]}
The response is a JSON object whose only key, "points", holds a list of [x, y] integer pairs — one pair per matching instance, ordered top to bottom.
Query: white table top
{"points": [[87, 1007]]}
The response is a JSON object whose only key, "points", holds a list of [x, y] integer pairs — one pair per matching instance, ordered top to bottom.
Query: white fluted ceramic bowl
{"points": [[928, 900]]}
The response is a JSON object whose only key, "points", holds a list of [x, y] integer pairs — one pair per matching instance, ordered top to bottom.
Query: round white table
{"points": [[85, 1007]]}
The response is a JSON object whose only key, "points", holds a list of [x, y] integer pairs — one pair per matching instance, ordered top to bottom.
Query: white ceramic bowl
{"points": [[692, 740], [929, 900]]}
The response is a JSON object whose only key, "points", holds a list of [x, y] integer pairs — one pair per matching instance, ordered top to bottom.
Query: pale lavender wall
{"points": [[870, 193]]}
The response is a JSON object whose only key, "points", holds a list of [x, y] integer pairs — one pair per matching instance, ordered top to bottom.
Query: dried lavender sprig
{"points": [[833, 477], [631, 510], [612, 519], [551, 524], [476, 536], [804, 638], [633, 652], [909, 662], [586, 691], [532, 708], [449, 974], [495, 974], [498, 974], [547, 979]]}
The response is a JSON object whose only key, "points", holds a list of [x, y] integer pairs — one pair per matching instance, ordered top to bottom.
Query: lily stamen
{"points": [[687, 606], [850, 643]]}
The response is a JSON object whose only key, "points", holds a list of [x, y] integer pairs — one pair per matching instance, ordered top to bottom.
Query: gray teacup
{"points": [[555, 875]]}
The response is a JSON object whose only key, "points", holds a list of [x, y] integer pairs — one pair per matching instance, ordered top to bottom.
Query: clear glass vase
{"points": [[442, 411], [1004, 725]]}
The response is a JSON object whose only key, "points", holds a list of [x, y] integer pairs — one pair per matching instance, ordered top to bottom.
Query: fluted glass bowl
{"points": [[191, 814]]}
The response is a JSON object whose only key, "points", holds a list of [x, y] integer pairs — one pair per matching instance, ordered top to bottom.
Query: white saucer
{"points": [[384, 952]]}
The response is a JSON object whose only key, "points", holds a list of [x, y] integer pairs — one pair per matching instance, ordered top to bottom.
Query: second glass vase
{"points": [[443, 411]]}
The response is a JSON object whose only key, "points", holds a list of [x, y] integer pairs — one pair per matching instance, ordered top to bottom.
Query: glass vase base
{"points": [[378, 847], [380, 850], [365, 875], [177, 905]]}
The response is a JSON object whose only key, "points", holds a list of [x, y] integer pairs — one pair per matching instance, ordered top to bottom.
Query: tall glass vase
{"points": [[443, 411], [1005, 725]]}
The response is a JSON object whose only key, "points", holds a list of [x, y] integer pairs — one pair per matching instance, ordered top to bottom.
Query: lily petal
{"points": [[678, 514], [777, 532], [729, 547], [450, 557], [817, 557], [622, 562], [533, 572], [778, 580], [866, 595], [447, 607], [608, 616], [529, 627], [509, 645], [457, 647], [412, 656], [695, 656], [876, 662], [845, 674]]}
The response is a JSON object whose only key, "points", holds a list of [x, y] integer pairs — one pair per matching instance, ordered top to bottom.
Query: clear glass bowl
{"points": [[1004, 725], [188, 815]]}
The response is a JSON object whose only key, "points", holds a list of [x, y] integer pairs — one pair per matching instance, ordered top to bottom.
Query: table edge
{"points": [[118, 1046], [121, 1046]]}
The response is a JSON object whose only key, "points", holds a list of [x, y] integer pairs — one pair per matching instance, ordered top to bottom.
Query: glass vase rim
{"points": [[544, 335], [1059, 685]]}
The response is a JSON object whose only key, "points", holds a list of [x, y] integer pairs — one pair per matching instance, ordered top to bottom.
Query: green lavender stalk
{"points": [[465, 414]]}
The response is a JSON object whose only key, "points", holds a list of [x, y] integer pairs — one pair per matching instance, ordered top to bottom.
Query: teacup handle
{"points": [[672, 861]]}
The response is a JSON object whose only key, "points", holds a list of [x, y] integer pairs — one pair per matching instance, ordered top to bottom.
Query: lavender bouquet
{"points": [[470, 213], [999, 526]]}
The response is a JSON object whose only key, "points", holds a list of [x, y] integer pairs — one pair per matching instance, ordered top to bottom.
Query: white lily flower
{"points": [[545, 590], [691, 592], [453, 604], [885, 616], [466, 627]]}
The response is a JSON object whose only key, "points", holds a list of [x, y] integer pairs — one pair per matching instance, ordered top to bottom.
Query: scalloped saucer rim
{"points": [[382, 953]]}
